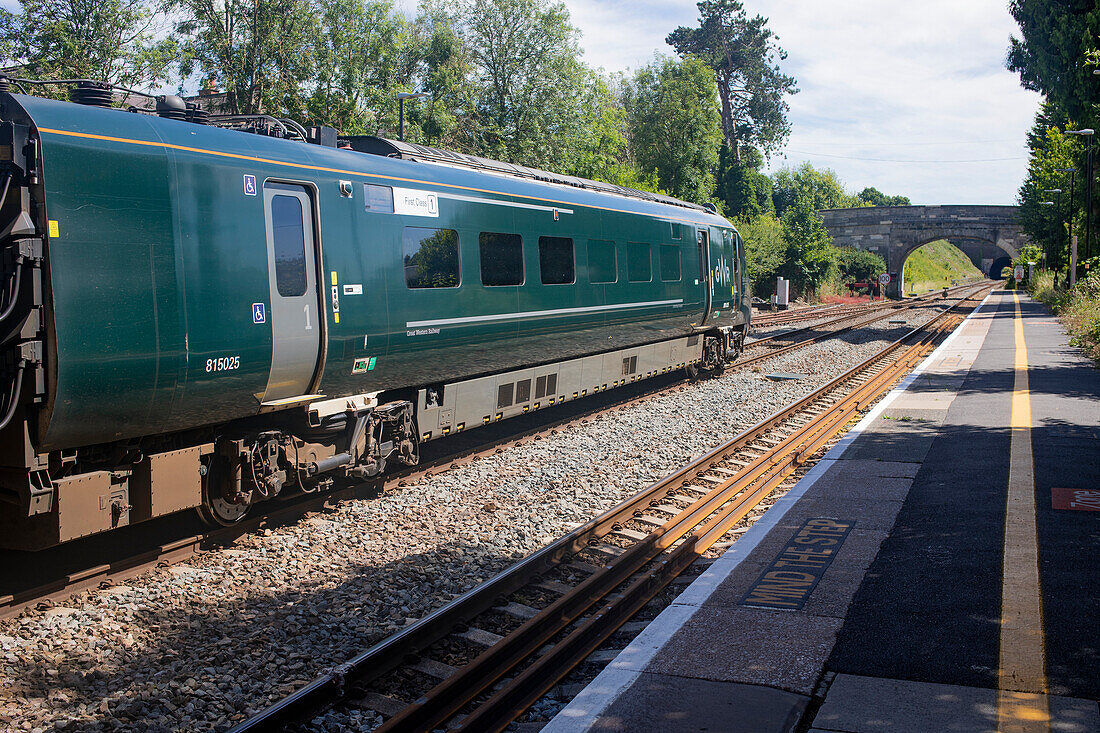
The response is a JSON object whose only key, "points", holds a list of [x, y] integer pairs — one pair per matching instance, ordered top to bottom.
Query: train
{"points": [[202, 312]]}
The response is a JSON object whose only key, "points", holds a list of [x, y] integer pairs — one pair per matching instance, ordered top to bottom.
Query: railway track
{"points": [[770, 320], [122, 568], [477, 663]]}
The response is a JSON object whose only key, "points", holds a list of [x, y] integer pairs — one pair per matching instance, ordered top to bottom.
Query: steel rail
{"points": [[184, 548], [388, 654], [452, 694], [508, 702]]}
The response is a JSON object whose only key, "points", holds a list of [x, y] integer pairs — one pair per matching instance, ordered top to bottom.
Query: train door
{"points": [[705, 273], [292, 278]]}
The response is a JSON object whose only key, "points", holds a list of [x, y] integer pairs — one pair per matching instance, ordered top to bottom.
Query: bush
{"points": [[1078, 308]]}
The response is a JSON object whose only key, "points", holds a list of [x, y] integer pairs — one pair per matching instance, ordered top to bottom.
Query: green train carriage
{"points": [[201, 317]]}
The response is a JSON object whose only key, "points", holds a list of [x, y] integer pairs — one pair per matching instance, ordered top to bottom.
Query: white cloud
{"points": [[880, 81]]}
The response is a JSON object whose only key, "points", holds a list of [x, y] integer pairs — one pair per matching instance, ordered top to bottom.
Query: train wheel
{"points": [[218, 511]]}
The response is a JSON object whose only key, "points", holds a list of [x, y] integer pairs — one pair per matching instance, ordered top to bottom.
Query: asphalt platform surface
{"points": [[904, 625]]}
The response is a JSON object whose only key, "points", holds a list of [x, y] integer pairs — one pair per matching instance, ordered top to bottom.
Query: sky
{"points": [[911, 98]]}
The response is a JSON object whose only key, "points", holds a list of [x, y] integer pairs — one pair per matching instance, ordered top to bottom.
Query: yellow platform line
{"points": [[1022, 704]]}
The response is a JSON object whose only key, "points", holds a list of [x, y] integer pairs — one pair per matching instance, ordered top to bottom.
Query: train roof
{"points": [[424, 154]]}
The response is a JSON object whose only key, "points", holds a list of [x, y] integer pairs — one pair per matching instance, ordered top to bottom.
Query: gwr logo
{"points": [[722, 273], [1086, 500]]}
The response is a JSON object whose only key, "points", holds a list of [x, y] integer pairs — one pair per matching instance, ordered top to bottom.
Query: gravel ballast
{"points": [[202, 644]]}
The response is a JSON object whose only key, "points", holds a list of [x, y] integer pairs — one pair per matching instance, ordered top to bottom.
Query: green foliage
{"points": [[108, 40], [260, 52], [743, 54], [364, 55], [1051, 56], [529, 80], [673, 119], [1051, 150], [821, 188], [744, 191], [871, 196], [765, 249], [810, 256], [858, 265], [936, 265], [1078, 309]]}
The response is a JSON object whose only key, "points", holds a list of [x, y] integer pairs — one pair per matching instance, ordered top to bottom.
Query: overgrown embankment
{"points": [[937, 265], [1078, 309]]}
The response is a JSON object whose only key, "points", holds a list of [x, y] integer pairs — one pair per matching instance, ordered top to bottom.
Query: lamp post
{"points": [[401, 97], [1087, 133], [1049, 203], [1057, 213], [1072, 240]]}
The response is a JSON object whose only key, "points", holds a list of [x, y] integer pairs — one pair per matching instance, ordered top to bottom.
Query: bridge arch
{"points": [[986, 234]]}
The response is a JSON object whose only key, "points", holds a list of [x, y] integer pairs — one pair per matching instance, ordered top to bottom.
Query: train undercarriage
{"points": [[222, 473]]}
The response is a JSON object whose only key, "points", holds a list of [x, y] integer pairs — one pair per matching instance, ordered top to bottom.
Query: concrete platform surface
{"points": [[915, 623]]}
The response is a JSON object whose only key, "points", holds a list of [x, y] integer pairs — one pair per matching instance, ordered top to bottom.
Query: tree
{"points": [[104, 40], [260, 52], [743, 54], [363, 56], [525, 56], [1051, 57], [672, 110], [602, 149], [1051, 150], [821, 188], [744, 191], [871, 196], [765, 249], [810, 257]]}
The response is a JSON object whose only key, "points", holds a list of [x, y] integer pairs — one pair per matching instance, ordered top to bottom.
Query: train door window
{"points": [[378, 198], [675, 229], [701, 235], [289, 240], [430, 257], [501, 258], [601, 261], [639, 262], [670, 262], [556, 265]]}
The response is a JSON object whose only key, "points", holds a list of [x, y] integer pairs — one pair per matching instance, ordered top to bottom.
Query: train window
{"points": [[378, 198], [675, 230], [288, 236], [430, 257], [501, 259], [556, 261], [601, 261], [639, 262], [670, 262]]}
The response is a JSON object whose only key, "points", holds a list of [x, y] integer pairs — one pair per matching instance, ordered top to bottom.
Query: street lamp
{"points": [[401, 97], [1088, 133], [1046, 203], [1057, 211], [1072, 258]]}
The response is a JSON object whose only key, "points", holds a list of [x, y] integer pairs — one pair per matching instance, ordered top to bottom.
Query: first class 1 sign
{"points": [[795, 571]]}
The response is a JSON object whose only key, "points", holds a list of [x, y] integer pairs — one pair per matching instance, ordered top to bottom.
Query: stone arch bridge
{"points": [[989, 235]]}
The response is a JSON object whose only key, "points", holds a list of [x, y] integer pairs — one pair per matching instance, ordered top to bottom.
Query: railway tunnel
{"points": [[989, 235]]}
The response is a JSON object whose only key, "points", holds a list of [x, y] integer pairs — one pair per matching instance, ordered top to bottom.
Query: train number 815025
{"points": [[223, 364]]}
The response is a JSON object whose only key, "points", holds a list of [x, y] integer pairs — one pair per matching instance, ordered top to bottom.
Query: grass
{"points": [[936, 265]]}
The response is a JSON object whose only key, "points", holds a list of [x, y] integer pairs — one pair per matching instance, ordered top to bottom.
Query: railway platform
{"points": [[938, 570]]}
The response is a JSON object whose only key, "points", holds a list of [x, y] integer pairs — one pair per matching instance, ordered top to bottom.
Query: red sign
{"points": [[1085, 500]]}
